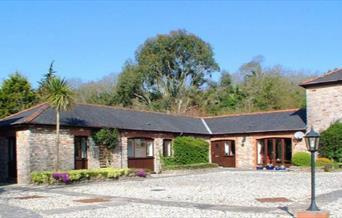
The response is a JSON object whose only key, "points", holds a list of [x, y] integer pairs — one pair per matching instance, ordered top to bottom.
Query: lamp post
{"points": [[311, 141]]}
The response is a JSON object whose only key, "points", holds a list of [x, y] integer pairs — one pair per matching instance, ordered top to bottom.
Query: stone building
{"points": [[324, 99], [27, 139]]}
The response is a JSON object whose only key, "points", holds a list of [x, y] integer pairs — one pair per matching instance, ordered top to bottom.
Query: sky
{"points": [[91, 39]]}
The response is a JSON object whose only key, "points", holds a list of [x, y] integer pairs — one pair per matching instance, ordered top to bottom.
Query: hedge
{"points": [[331, 142], [188, 150], [301, 159], [322, 161], [190, 166], [70, 176]]}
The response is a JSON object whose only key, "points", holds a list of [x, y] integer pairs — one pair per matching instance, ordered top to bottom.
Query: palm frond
{"points": [[59, 94]]}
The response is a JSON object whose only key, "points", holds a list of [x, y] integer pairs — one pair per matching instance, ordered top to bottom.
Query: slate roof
{"points": [[334, 76], [95, 116], [258, 122]]}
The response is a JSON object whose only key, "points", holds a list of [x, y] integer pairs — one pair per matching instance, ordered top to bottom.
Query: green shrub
{"points": [[107, 137], [331, 142], [188, 150], [301, 159], [322, 161], [190, 166], [328, 168], [79, 175], [42, 177]]}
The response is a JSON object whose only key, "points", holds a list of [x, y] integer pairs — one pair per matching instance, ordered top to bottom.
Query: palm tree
{"points": [[60, 97]]}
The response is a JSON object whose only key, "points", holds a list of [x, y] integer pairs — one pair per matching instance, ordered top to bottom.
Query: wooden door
{"points": [[81, 149], [216, 152], [223, 153], [12, 158]]}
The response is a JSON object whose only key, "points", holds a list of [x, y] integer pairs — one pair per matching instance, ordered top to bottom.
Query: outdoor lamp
{"points": [[312, 140]]}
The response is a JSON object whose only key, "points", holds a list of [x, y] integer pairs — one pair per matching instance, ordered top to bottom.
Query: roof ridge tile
{"points": [[252, 113]]}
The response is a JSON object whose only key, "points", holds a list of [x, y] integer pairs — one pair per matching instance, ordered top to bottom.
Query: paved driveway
{"points": [[213, 193]]}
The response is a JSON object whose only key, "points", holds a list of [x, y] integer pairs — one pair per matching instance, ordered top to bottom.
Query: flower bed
{"points": [[72, 176]]}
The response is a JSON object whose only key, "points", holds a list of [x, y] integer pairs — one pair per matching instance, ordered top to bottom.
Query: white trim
{"points": [[206, 126]]}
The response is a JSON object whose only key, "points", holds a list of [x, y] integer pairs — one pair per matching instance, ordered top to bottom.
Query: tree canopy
{"points": [[167, 70], [16, 94]]}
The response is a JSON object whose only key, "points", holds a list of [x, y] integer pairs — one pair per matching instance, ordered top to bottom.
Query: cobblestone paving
{"points": [[214, 193]]}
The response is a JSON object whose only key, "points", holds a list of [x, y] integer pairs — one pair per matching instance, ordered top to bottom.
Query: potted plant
{"points": [[259, 167], [270, 167]]}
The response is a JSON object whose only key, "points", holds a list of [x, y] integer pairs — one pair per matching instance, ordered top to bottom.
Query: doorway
{"points": [[81, 149], [275, 151], [223, 153], [12, 159]]}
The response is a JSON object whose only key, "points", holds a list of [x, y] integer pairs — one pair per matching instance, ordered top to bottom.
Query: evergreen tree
{"points": [[42, 89], [16, 94]]}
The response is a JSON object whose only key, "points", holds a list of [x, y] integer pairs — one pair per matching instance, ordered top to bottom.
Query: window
{"points": [[81, 147], [84, 147], [130, 148], [140, 148], [167, 148], [229, 148], [226, 149], [276, 151], [149, 152]]}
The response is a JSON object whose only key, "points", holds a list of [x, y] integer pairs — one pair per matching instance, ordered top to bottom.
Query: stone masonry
{"points": [[324, 105], [43, 149], [36, 151], [23, 156]]}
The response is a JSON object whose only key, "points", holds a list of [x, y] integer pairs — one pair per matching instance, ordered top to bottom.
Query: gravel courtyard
{"points": [[210, 193]]}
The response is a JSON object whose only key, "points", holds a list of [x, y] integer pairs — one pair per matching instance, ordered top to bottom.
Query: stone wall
{"points": [[324, 106], [43, 149], [93, 154], [23, 156], [3, 159]]}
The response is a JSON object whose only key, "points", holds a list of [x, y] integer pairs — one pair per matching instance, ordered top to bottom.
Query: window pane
{"points": [[84, 147], [130, 148], [140, 148], [149, 148], [167, 148], [232, 148], [227, 149], [279, 150], [288, 150], [260, 151], [269, 158]]}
